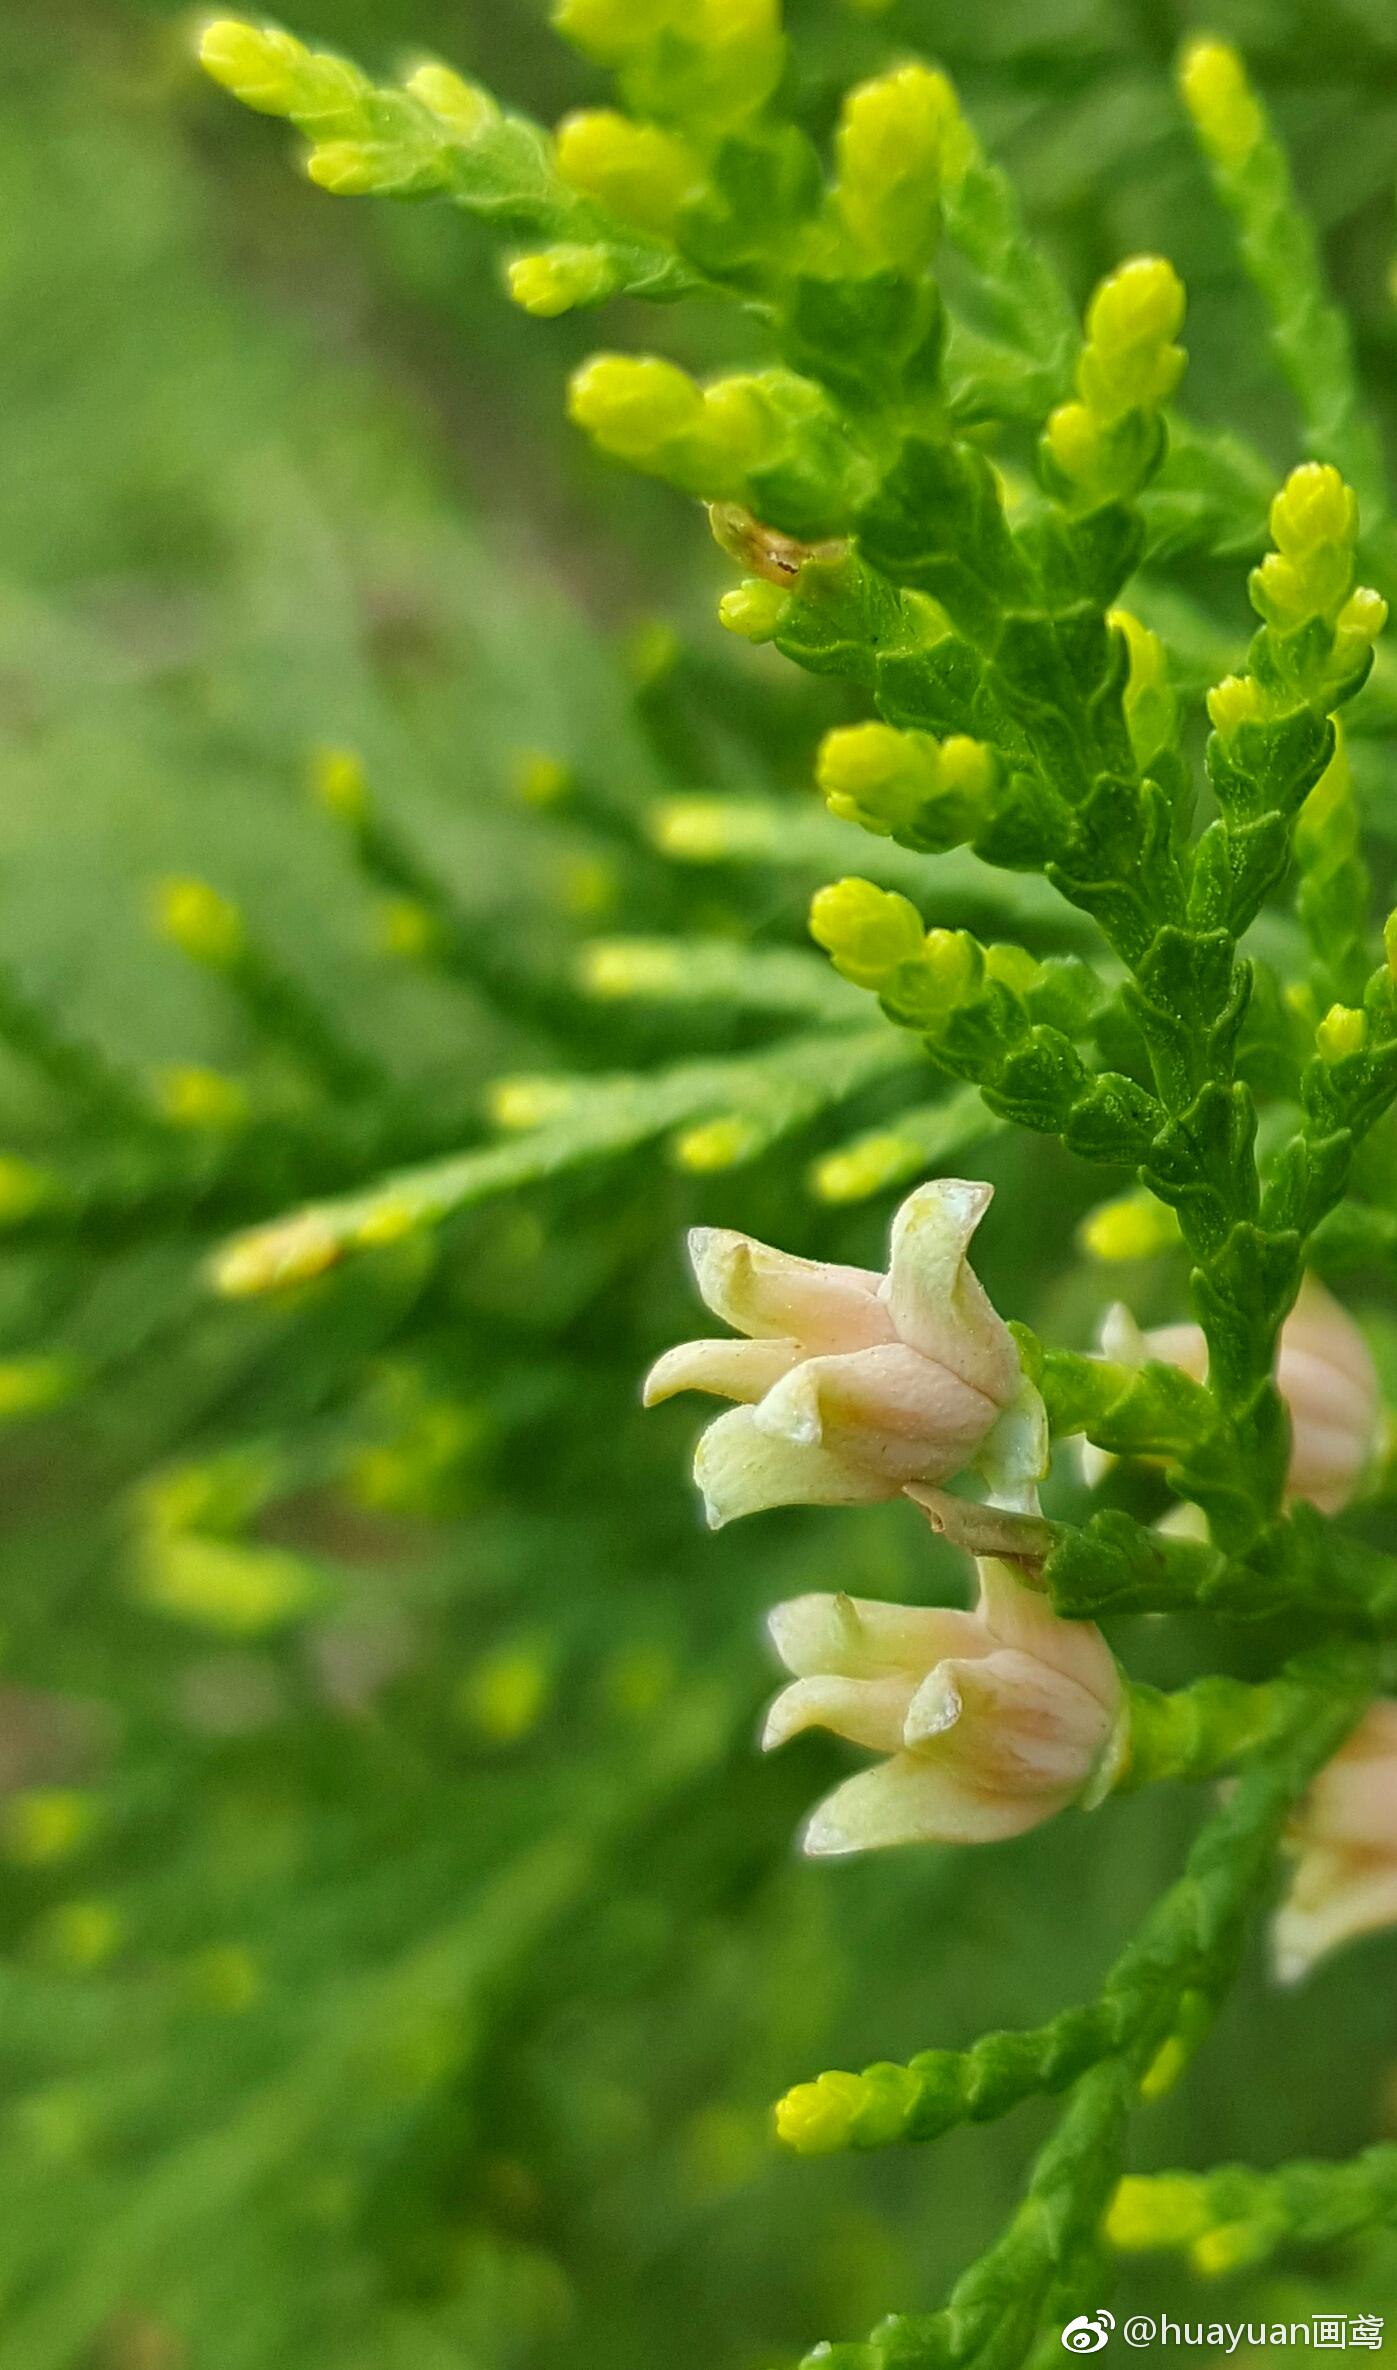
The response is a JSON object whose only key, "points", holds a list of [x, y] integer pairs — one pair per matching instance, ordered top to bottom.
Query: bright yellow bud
{"points": [[258, 64], [1214, 88], [461, 106], [898, 138], [640, 173], [560, 279], [1129, 362], [634, 405], [1313, 507], [753, 610], [1235, 701], [866, 930], [1342, 1031], [191, 1096], [817, 2118], [1159, 2211]]}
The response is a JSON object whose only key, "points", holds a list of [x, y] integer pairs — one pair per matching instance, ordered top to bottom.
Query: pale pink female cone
{"points": [[1324, 1373], [852, 1384], [990, 1722], [1345, 1841]]}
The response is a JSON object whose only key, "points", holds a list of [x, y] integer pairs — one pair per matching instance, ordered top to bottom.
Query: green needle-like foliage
{"points": [[382, 1814]]}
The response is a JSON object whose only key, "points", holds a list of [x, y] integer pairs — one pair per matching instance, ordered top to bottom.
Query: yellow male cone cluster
{"points": [[900, 139], [639, 172], [1128, 364], [1314, 526], [1308, 577], [906, 783], [865, 930]]}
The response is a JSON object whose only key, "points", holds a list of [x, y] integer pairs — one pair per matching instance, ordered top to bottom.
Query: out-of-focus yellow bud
{"points": [[609, 30], [1214, 88], [462, 106], [898, 138], [640, 173], [560, 279], [753, 610], [540, 780], [339, 783], [696, 830], [590, 887], [202, 924], [407, 929], [866, 931], [1389, 944], [617, 968], [1342, 1031], [188, 1095], [519, 1103], [716, 1145], [868, 1166], [24, 1188], [389, 1218], [1135, 1226], [273, 1258], [30, 1386], [225, 1585], [504, 1698], [47, 1824], [82, 1935], [1164, 2210], [1230, 2247]]}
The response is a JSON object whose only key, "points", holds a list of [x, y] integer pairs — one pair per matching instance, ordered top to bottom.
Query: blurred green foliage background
{"points": [[403, 1942]]}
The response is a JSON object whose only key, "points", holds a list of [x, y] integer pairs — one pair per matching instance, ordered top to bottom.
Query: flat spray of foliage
{"points": [[941, 487]]}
